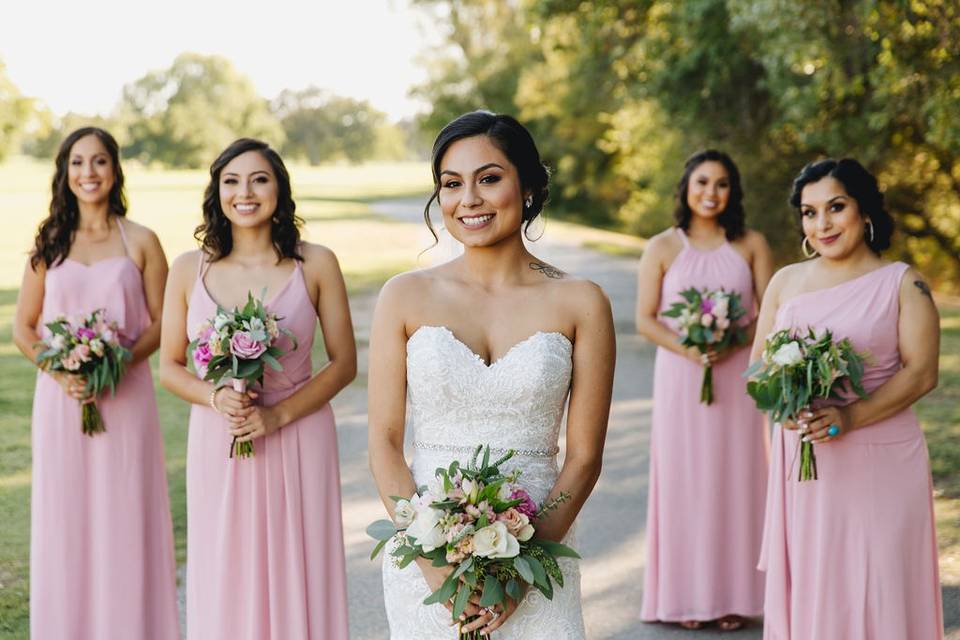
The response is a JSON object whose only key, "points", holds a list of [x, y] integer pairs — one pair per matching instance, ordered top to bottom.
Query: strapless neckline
{"points": [[444, 330]]}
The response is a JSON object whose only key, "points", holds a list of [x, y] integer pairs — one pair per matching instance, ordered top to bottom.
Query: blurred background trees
{"points": [[617, 93]]}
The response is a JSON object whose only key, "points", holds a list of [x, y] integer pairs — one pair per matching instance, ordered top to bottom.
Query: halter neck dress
{"points": [[708, 465], [101, 540], [853, 555], [265, 557]]}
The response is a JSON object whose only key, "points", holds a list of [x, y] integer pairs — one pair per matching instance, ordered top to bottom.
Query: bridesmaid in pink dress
{"points": [[707, 462], [101, 540], [264, 540], [853, 555]]}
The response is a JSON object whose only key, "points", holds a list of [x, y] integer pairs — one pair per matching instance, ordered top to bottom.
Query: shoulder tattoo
{"points": [[547, 270], [924, 288]]}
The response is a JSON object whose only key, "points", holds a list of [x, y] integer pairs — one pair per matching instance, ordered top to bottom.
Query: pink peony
{"points": [[245, 347], [202, 358], [528, 507]]}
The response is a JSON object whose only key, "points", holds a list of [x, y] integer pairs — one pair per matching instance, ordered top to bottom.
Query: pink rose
{"points": [[706, 320], [245, 347], [82, 352], [202, 358], [71, 362], [528, 507]]}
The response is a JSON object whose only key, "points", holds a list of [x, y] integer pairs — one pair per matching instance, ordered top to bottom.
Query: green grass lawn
{"points": [[332, 200]]}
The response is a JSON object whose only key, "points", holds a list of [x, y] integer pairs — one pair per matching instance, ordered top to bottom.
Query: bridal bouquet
{"points": [[707, 319], [239, 344], [89, 347], [795, 369], [480, 522]]}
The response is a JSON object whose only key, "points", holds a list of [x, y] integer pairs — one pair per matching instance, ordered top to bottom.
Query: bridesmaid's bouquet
{"points": [[708, 319], [239, 344], [89, 347], [795, 369], [480, 522]]}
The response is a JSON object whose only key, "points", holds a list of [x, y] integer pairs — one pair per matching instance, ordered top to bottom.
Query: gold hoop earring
{"points": [[872, 234], [805, 248]]}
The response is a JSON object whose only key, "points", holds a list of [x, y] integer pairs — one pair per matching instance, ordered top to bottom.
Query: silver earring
{"points": [[528, 202], [870, 225], [805, 248]]}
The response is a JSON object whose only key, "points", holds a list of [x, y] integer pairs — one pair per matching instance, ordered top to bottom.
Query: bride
{"points": [[485, 349]]}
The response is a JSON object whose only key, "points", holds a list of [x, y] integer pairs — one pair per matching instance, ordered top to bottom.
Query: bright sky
{"points": [[76, 56]]}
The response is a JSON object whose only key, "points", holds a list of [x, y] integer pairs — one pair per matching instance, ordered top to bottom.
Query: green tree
{"points": [[15, 111], [185, 115], [320, 126]]}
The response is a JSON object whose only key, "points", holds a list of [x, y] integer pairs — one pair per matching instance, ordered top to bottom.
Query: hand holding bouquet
{"points": [[708, 320], [238, 344], [88, 347], [797, 368], [480, 522]]}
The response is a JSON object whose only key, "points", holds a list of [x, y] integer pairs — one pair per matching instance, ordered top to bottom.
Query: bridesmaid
{"points": [[707, 462], [101, 540], [265, 540], [853, 555]]}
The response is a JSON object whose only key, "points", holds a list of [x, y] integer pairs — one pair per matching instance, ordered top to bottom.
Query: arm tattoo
{"points": [[547, 270], [924, 288]]}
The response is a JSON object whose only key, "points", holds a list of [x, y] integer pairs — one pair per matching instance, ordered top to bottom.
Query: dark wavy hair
{"points": [[510, 137], [861, 185], [732, 218], [55, 234], [215, 234]]}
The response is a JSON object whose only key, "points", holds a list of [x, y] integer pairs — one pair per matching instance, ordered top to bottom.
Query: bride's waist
{"points": [[538, 472]]}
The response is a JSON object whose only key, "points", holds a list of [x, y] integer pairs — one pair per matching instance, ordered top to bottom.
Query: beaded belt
{"points": [[531, 453]]}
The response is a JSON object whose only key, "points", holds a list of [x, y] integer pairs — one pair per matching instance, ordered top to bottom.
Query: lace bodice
{"points": [[455, 401]]}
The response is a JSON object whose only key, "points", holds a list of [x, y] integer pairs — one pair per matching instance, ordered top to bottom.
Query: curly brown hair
{"points": [[55, 234], [215, 234]]}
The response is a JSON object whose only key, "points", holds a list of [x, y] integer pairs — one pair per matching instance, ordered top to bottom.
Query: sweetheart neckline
{"points": [[449, 332]]}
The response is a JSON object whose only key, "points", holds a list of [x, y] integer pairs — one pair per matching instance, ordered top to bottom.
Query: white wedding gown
{"points": [[456, 402]]}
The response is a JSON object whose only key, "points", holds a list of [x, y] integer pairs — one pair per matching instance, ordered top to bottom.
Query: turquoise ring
{"points": [[833, 430]]}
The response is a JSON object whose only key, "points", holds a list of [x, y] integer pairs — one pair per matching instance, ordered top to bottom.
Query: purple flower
{"points": [[706, 305], [86, 332], [245, 347], [202, 358], [528, 507]]}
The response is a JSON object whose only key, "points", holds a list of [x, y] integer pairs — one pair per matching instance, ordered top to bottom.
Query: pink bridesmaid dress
{"points": [[708, 465], [264, 537], [101, 541], [853, 555]]}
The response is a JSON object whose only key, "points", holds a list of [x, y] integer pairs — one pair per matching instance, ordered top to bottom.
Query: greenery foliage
{"points": [[619, 92]]}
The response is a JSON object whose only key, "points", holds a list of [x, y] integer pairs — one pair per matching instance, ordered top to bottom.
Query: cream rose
{"points": [[788, 355], [403, 513], [425, 528], [494, 541]]}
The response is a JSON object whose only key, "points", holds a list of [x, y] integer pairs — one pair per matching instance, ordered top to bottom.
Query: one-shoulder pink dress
{"points": [[708, 467], [101, 540], [853, 555], [265, 557]]}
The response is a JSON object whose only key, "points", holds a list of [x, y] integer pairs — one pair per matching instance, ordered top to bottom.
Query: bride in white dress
{"points": [[487, 349]]}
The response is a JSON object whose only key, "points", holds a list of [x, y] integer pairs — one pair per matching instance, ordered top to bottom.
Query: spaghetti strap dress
{"points": [[101, 540], [265, 556]]}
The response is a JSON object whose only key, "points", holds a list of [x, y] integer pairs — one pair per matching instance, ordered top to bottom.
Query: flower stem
{"points": [[706, 388]]}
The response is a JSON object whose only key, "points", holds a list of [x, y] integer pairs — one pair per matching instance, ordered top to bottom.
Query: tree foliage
{"points": [[619, 92], [15, 111], [185, 115]]}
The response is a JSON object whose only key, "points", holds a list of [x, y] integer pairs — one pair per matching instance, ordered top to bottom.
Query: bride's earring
{"points": [[528, 202], [870, 227], [805, 248]]}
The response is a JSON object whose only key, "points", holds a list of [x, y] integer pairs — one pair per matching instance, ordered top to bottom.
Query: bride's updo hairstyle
{"points": [[511, 138], [860, 185]]}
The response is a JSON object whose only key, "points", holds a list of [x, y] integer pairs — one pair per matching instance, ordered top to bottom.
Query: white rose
{"points": [[221, 320], [58, 342], [788, 355], [403, 513], [425, 528], [495, 541]]}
